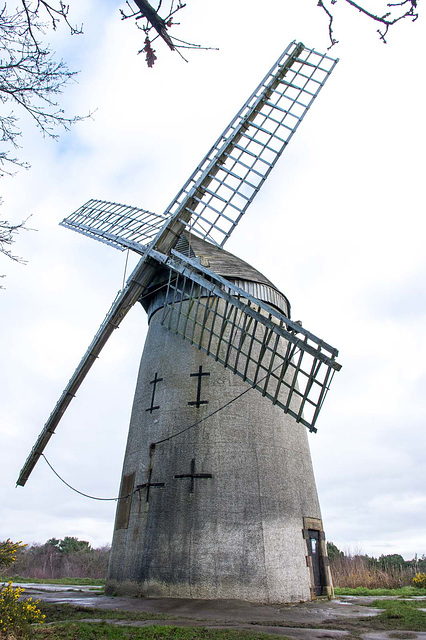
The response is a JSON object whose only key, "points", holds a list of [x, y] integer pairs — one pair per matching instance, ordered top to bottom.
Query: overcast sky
{"points": [[338, 227]]}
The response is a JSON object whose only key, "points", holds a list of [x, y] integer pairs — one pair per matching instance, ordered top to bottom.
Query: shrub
{"points": [[8, 551], [47, 561], [359, 570], [419, 580], [17, 615]]}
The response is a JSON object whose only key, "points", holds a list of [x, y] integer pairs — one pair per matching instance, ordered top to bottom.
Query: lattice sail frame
{"points": [[224, 184], [218, 193], [115, 224], [286, 363]]}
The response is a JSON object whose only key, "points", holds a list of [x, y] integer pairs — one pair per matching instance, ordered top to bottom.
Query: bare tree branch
{"points": [[408, 9], [387, 19], [330, 23], [159, 24], [31, 81], [7, 233]]}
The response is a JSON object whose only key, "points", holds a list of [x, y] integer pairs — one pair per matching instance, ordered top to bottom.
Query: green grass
{"points": [[72, 581], [406, 592], [61, 612], [401, 614], [398, 615], [401, 617], [66, 626], [105, 631]]}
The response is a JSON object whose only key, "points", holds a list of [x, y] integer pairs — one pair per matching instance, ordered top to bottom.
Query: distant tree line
{"points": [[66, 558], [73, 558], [358, 569]]}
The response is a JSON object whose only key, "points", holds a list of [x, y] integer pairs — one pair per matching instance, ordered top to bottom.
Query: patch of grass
{"points": [[71, 581], [406, 592], [64, 612], [400, 614], [105, 631]]}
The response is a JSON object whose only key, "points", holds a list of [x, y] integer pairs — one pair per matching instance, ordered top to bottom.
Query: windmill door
{"points": [[315, 554]]}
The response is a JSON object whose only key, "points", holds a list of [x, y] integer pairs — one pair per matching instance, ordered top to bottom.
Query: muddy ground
{"points": [[345, 617]]}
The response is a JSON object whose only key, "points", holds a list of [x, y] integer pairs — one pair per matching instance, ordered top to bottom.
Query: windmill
{"points": [[217, 497]]}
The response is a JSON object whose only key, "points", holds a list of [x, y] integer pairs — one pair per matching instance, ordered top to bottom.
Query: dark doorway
{"points": [[314, 551]]}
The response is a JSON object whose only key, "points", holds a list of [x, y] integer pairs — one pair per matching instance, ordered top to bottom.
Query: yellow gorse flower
{"points": [[8, 551], [419, 580], [17, 615]]}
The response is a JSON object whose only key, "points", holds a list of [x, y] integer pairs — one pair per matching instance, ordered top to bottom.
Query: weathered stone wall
{"points": [[238, 534]]}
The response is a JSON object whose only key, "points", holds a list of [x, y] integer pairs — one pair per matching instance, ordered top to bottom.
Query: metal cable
{"points": [[253, 386], [153, 444], [80, 492]]}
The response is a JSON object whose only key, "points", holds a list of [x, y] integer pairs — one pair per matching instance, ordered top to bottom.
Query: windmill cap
{"points": [[224, 264]]}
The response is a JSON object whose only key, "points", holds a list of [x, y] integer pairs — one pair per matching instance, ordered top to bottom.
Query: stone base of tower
{"points": [[227, 509], [286, 579]]}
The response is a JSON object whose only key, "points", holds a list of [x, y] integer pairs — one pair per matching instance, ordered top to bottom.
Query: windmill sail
{"points": [[224, 184], [218, 193], [210, 204], [115, 224], [119, 309], [285, 362]]}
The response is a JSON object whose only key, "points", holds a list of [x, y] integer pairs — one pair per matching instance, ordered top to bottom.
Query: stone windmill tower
{"points": [[218, 497]]}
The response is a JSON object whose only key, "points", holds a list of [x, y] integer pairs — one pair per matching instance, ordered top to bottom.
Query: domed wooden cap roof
{"points": [[223, 263]]}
